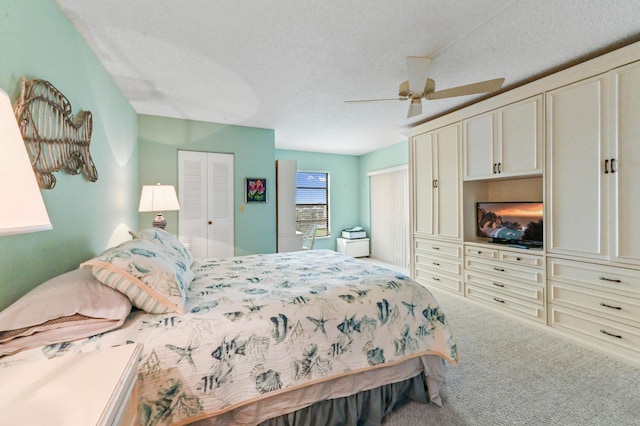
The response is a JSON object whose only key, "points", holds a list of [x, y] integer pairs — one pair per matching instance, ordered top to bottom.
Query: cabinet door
{"points": [[520, 138], [479, 140], [625, 172], [423, 182], [449, 182], [205, 190], [576, 215]]}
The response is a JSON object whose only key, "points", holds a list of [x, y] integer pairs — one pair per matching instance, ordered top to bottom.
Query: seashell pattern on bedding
{"points": [[262, 325]]}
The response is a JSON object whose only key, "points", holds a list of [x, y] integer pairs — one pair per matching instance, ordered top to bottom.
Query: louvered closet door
{"points": [[205, 190]]}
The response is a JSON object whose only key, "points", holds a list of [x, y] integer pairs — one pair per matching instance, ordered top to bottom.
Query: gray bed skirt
{"points": [[366, 408]]}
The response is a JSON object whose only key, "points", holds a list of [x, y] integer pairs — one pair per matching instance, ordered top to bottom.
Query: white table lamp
{"points": [[158, 198], [22, 208]]}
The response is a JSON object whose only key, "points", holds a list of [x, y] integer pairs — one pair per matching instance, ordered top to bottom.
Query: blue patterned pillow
{"points": [[169, 242], [153, 280]]}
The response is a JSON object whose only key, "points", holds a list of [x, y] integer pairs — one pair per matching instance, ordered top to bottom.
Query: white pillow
{"points": [[65, 308]]}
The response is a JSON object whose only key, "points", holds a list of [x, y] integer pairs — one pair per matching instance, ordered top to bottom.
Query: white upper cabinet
{"points": [[504, 143], [624, 164], [436, 183], [576, 204]]}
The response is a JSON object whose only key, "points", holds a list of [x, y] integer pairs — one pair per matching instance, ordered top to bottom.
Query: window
{"points": [[312, 202]]}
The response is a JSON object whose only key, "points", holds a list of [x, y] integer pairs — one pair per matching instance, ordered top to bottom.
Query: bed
{"points": [[271, 338]]}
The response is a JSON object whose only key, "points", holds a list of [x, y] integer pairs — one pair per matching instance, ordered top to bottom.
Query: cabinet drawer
{"points": [[453, 251], [487, 253], [518, 258], [440, 264], [505, 270], [429, 278], [625, 282], [530, 292], [506, 303], [607, 305], [597, 332]]}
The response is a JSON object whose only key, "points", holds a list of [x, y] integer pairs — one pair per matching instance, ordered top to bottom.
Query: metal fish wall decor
{"points": [[55, 139]]}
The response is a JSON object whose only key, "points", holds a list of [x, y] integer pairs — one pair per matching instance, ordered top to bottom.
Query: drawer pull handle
{"points": [[435, 248], [436, 263], [495, 268], [436, 278], [609, 279], [498, 285], [498, 300], [609, 306], [617, 336]]}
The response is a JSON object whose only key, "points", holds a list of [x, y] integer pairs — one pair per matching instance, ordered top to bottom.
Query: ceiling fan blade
{"points": [[417, 69], [468, 89], [375, 100], [415, 108]]}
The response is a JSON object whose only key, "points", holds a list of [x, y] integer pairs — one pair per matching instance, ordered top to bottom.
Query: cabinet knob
{"points": [[210, 223], [518, 258]]}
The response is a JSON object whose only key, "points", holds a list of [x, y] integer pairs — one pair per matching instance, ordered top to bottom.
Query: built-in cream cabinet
{"points": [[506, 142], [436, 183], [593, 189], [511, 280], [585, 283]]}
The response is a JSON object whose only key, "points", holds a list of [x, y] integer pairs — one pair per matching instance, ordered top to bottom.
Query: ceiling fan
{"points": [[420, 86]]}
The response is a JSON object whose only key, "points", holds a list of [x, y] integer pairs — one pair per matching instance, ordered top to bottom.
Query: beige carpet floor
{"points": [[513, 374]]}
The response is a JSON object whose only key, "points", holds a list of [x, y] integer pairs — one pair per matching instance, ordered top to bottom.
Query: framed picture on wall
{"points": [[255, 190]]}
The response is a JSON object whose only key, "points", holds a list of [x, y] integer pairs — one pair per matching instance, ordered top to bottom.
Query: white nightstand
{"points": [[355, 248], [94, 388]]}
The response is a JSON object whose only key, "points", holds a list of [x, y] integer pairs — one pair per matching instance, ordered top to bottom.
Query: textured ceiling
{"points": [[289, 65]]}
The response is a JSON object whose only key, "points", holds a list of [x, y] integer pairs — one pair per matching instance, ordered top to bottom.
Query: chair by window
{"points": [[309, 238]]}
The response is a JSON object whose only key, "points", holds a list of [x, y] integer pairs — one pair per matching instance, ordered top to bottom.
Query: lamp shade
{"points": [[158, 198], [22, 208]]}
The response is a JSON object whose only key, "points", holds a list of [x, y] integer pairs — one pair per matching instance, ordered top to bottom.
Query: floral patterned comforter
{"points": [[263, 324]]}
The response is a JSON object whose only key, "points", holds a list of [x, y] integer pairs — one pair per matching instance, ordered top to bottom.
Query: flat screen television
{"points": [[511, 222]]}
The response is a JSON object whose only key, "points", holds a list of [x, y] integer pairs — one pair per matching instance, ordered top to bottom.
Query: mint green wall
{"points": [[38, 41], [160, 138], [391, 156], [348, 183], [344, 208]]}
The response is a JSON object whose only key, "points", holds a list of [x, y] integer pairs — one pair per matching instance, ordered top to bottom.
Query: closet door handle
{"points": [[606, 166], [499, 167], [494, 168], [613, 169], [435, 183], [603, 278], [610, 307]]}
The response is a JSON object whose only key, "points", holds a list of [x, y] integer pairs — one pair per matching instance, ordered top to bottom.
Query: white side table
{"points": [[355, 248], [94, 388]]}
